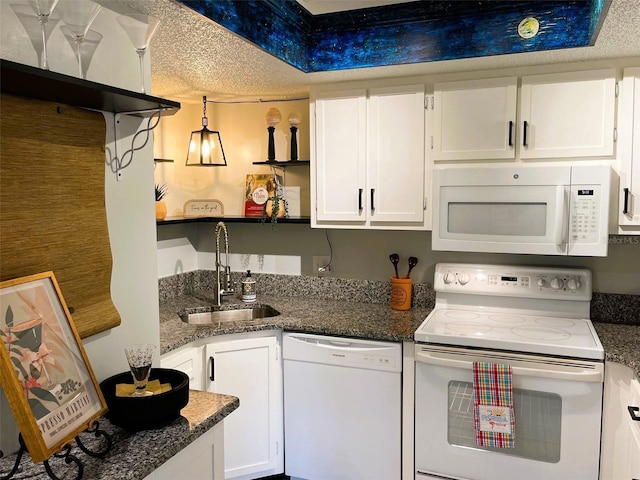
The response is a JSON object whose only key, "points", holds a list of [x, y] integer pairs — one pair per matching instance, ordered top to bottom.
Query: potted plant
{"points": [[276, 205], [161, 207]]}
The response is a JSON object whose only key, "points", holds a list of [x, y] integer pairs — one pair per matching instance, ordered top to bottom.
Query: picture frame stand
{"points": [[65, 453]]}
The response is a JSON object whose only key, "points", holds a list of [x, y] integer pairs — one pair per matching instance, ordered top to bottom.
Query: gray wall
{"points": [[364, 254]]}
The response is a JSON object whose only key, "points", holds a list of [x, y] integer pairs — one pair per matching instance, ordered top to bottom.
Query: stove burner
{"points": [[458, 314], [506, 318], [555, 322], [469, 328], [541, 333]]}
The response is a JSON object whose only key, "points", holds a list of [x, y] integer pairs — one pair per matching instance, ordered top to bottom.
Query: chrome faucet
{"points": [[221, 289]]}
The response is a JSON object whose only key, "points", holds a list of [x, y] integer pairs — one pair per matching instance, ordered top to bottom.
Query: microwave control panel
{"points": [[585, 214], [518, 281]]}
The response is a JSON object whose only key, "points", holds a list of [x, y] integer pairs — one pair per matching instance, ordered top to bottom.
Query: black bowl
{"points": [[141, 413]]}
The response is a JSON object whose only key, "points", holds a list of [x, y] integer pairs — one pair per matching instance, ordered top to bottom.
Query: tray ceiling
{"points": [[193, 56]]}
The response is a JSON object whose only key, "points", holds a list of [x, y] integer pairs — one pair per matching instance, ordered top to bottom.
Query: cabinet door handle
{"points": [[511, 133], [524, 134], [360, 199], [373, 205], [625, 208], [212, 375], [633, 411]]}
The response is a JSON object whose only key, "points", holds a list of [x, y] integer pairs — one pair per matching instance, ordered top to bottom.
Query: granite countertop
{"points": [[359, 319], [372, 321], [621, 343], [134, 455]]}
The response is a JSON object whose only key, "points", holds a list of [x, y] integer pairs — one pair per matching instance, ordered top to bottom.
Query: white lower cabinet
{"points": [[189, 361], [250, 369], [634, 427], [620, 457], [201, 460]]}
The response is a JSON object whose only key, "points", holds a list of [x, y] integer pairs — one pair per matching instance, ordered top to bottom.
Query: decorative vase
{"points": [[268, 208], [161, 210]]}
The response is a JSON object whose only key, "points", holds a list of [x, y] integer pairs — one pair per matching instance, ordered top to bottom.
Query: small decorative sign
{"points": [[203, 208]]}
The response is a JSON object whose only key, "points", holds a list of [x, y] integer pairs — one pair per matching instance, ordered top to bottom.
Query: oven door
{"points": [[557, 405]]}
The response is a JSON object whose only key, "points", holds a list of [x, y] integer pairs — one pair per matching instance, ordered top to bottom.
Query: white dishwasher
{"points": [[342, 408]]}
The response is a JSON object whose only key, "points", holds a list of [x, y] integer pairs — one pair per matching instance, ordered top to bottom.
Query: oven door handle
{"points": [[575, 373]]}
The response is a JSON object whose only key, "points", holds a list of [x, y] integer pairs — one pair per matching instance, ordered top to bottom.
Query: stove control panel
{"points": [[517, 281]]}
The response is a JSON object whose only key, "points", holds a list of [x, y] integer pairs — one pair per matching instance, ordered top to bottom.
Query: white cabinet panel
{"points": [[568, 115], [475, 120], [340, 143], [629, 152], [369, 159], [396, 159], [189, 361], [249, 369], [634, 435], [617, 456], [201, 460]]}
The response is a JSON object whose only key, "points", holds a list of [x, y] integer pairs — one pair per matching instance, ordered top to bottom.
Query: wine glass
{"points": [[43, 9], [78, 17], [140, 28], [35, 29], [90, 43], [140, 357]]}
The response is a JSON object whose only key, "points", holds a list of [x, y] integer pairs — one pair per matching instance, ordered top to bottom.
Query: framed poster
{"points": [[44, 370]]}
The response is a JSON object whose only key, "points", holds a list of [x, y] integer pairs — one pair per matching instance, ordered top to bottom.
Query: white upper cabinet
{"points": [[568, 115], [557, 116], [474, 120], [340, 145], [629, 152], [369, 166], [395, 167]]}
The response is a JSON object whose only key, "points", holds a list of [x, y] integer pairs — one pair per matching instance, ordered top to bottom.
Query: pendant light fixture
{"points": [[205, 146]]}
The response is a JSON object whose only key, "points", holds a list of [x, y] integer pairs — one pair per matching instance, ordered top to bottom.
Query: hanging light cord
{"points": [[205, 120], [116, 164]]}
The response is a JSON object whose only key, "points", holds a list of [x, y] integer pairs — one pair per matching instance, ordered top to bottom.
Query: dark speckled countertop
{"points": [[360, 309], [310, 315], [135, 455]]}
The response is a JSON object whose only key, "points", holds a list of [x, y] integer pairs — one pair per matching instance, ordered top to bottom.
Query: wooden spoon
{"points": [[395, 258], [413, 261]]}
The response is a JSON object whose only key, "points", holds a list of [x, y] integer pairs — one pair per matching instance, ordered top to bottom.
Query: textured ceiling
{"points": [[318, 7], [192, 56]]}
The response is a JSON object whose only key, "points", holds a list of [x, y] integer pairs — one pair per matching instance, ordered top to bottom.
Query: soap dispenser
{"points": [[248, 288]]}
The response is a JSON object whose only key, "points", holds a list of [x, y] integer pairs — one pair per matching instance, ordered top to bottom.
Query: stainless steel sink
{"points": [[213, 314]]}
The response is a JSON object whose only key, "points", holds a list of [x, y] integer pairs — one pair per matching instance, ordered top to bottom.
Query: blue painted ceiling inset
{"points": [[413, 32]]}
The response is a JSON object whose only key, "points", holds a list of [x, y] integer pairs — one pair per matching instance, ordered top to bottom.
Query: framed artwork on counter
{"points": [[44, 370]]}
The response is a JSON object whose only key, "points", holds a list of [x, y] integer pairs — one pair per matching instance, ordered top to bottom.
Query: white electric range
{"points": [[535, 319]]}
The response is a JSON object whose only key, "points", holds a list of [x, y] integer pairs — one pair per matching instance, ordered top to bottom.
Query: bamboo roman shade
{"points": [[52, 204]]}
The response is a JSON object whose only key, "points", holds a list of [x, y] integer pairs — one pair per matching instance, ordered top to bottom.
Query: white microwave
{"points": [[550, 210]]}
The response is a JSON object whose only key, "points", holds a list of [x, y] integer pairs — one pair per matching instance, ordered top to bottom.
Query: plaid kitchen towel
{"points": [[494, 421]]}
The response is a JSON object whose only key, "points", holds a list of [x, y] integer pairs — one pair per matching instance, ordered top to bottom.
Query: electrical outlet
{"points": [[321, 266]]}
